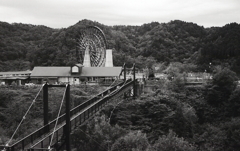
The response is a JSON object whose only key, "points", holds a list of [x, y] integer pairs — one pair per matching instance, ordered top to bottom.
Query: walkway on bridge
{"points": [[58, 130]]}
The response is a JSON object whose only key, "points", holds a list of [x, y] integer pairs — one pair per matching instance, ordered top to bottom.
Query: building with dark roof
{"points": [[74, 75], [14, 77]]}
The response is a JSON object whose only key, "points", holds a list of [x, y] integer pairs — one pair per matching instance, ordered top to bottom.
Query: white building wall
{"points": [[109, 59], [69, 80]]}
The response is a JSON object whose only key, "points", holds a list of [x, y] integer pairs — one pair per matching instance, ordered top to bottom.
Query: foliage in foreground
{"points": [[15, 101], [165, 119], [183, 119], [97, 135], [134, 140], [172, 142]]}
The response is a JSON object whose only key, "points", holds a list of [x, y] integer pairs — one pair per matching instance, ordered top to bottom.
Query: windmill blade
{"points": [[93, 38]]}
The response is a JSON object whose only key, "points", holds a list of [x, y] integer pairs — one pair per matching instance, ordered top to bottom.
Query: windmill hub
{"points": [[92, 48]]}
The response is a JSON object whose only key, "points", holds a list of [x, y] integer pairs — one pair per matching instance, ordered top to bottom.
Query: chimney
{"points": [[109, 59]]}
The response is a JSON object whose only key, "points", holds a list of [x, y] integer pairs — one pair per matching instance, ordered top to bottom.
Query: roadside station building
{"points": [[75, 75]]}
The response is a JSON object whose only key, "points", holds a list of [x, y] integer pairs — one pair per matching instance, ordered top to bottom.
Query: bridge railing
{"points": [[94, 99], [95, 104], [82, 116]]}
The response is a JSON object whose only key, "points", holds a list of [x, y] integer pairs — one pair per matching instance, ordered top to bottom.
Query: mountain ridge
{"points": [[175, 41]]}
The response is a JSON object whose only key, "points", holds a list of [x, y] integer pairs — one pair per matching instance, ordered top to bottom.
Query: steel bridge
{"points": [[55, 135]]}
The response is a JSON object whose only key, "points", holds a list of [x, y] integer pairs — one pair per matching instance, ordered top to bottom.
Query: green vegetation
{"points": [[24, 46], [15, 101], [172, 116], [169, 119]]}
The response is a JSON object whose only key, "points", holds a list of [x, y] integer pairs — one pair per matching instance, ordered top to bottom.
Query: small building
{"points": [[75, 75], [101, 75], [141, 75], [160, 76], [14, 77], [198, 77]]}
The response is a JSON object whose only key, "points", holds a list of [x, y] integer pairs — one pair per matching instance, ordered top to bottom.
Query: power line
{"points": [[24, 117], [49, 147]]}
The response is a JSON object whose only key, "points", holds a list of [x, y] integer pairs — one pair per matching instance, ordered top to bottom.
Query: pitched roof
{"points": [[101, 71], [15, 72], [51, 72], [66, 72], [14, 78]]}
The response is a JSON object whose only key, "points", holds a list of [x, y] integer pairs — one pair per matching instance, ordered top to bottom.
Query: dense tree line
{"points": [[175, 41], [223, 42], [171, 117], [186, 119]]}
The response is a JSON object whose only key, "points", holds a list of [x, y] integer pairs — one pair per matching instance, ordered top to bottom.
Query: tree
{"points": [[225, 78], [223, 84], [234, 103], [97, 135], [133, 141], [172, 142]]}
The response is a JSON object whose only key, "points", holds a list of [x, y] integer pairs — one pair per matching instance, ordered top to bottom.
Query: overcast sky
{"points": [[65, 13]]}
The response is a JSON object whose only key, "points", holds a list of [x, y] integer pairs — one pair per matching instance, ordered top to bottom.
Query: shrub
{"points": [[133, 141], [172, 142]]}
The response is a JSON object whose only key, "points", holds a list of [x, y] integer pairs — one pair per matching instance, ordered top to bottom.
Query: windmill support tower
{"points": [[109, 58], [86, 61]]}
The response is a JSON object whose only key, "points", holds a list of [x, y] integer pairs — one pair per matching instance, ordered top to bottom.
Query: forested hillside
{"points": [[23, 46], [171, 116]]}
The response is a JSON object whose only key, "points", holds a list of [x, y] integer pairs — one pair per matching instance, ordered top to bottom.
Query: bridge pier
{"points": [[125, 79], [134, 82], [134, 90], [45, 108], [68, 124], [67, 127]]}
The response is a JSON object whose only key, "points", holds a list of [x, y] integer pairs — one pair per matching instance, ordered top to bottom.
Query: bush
{"points": [[223, 84], [234, 103], [97, 135], [133, 141], [171, 142]]}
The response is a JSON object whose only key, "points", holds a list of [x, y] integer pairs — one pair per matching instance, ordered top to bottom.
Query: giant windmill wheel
{"points": [[91, 40]]}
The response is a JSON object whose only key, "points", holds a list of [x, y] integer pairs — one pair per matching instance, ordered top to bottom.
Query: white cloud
{"points": [[64, 13]]}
